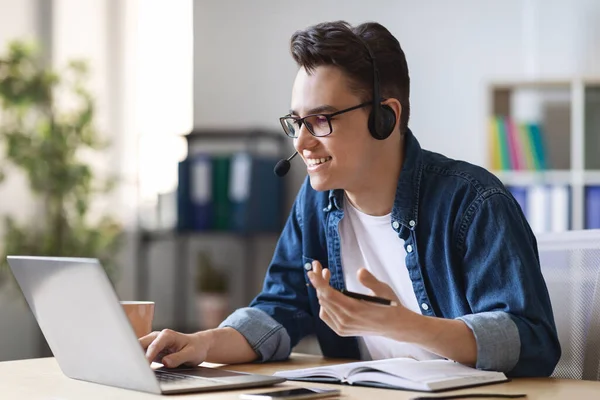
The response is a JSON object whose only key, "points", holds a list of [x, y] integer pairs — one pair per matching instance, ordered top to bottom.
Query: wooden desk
{"points": [[41, 378]]}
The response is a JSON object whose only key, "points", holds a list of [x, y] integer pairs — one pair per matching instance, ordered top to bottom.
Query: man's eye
{"points": [[320, 120]]}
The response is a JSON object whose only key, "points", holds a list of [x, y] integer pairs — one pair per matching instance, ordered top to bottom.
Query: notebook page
{"points": [[339, 371], [427, 371], [386, 380]]}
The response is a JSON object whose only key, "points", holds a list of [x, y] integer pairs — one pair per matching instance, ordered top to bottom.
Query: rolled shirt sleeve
{"points": [[267, 337], [497, 337]]}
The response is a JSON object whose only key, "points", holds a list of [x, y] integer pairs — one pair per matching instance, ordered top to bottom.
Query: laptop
{"points": [[90, 336]]}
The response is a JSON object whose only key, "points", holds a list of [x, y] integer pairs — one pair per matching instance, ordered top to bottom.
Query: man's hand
{"points": [[352, 317], [448, 338], [173, 349]]}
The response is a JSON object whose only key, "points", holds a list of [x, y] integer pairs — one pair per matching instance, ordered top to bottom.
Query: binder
{"points": [[220, 190], [201, 192], [256, 194], [520, 195], [184, 205], [592, 207], [538, 208], [559, 208]]}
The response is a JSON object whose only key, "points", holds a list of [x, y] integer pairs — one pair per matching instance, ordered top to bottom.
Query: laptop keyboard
{"points": [[169, 379]]}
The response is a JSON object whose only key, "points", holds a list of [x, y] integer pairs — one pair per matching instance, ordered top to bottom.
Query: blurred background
{"points": [[144, 133]]}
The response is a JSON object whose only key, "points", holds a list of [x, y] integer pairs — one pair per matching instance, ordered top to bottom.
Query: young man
{"points": [[441, 238]]}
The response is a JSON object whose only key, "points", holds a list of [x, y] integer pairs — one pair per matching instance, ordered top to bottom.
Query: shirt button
{"points": [[411, 222], [395, 225], [409, 248], [308, 266], [424, 306]]}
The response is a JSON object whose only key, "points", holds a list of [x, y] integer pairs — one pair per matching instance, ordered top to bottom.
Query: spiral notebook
{"points": [[399, 373]]}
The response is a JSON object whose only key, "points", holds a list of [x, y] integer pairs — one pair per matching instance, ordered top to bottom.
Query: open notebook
{"points": [[399, 373]]}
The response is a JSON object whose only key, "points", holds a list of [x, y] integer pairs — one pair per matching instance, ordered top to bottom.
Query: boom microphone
{"points": [[283, 166]]}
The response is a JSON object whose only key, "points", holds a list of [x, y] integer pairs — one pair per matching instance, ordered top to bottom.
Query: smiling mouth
{"points": [[317, 161]]}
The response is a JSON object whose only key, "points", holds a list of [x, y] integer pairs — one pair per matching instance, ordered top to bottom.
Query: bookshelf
{"points": [[567, 112], [186, 240]]}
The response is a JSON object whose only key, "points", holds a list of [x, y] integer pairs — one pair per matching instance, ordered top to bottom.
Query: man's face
{"points": [[343, 159]]}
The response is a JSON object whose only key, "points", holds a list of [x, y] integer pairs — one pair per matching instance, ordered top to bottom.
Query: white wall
{"points": [[244, 71]]}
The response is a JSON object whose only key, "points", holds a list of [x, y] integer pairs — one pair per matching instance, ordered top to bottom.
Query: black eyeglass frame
{"points": [[301, 120]]}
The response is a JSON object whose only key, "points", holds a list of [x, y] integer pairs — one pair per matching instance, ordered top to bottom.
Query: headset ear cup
{"points": [[388, 120], [382, 122], [371, 124]]}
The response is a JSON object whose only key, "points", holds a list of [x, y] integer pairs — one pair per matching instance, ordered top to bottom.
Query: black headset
{"points": [[382, 118]]}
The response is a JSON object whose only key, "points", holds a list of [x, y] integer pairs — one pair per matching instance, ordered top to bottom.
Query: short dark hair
{"points": [[341, 45]]}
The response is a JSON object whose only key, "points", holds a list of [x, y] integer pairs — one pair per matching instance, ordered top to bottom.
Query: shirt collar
{"points": [[406, 202]]}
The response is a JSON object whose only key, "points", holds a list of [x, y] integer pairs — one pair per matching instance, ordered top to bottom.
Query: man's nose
{"points": [[305, 139]]}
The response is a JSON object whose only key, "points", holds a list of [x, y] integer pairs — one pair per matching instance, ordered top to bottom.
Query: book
{"points": [[505, 160], [399, 373]]}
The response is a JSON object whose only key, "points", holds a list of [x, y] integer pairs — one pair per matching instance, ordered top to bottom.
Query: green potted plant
{"points": [[49, 140], [212, 299]]}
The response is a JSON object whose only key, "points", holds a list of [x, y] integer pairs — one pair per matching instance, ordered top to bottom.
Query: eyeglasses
{"points": [[317, 124]]}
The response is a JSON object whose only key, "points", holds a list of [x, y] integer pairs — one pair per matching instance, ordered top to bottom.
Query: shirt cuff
{"points": [[267, 337], [498, 340]]}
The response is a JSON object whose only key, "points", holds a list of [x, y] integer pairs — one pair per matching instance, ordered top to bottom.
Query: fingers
{"points": [[326, 275], [319, 276], [378, 287], [338, 319], [149, 338], [164, 343], [181, 357]]}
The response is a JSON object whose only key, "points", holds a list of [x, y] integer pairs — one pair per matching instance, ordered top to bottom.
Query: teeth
{"points": [[317, 161]]}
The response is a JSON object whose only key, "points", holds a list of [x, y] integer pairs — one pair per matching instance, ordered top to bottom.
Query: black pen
{"points": [[359, 296], [373, 299]]}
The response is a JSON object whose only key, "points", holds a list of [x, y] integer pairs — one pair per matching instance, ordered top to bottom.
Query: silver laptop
{"points": [[90, 336]]}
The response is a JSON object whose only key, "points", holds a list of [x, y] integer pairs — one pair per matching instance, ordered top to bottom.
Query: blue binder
{"points": [[256, 194], [520, 195], [201, 196], [184, 205], [592, 207]]}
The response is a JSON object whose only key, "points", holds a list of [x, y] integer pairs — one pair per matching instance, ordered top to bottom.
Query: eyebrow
{"points": [[318, 110]]}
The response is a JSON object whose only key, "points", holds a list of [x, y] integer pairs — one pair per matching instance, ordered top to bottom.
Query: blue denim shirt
{"points": [[470, 254]]}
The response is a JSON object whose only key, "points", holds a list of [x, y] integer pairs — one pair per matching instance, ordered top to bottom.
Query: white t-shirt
{"points": [[370, 242]]}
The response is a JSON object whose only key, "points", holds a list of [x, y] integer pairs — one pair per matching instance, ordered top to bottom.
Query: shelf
{"points": [[545, 83], [531, 84], [567, 110], [240, 134], [550, 177], [169, 234]]}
